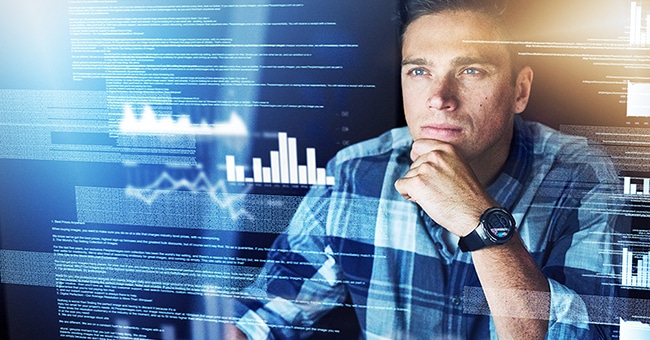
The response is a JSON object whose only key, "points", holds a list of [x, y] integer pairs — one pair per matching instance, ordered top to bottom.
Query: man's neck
{"points": [[488, 167]]}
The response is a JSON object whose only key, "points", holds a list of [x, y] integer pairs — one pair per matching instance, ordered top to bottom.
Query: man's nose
{"points": [[442, 95]]}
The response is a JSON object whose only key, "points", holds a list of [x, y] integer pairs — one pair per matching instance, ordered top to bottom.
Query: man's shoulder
{"points": [[393, 141], [549, 141], [564, 150], [365, 168]]}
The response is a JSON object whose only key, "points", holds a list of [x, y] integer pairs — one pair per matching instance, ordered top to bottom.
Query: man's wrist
{"points": [[496, 227]]}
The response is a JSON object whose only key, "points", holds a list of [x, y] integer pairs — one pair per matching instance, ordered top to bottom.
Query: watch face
{"points": [[499, 224]]}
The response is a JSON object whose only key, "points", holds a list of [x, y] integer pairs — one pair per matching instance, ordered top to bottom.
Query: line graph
{"points": [[150, 124], [165, 184]]}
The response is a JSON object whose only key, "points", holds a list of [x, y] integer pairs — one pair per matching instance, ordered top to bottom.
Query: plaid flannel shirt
{"points": [[360, 244]]}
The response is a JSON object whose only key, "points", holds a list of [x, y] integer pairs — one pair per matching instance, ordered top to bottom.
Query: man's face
{"points": [[459, 92]]}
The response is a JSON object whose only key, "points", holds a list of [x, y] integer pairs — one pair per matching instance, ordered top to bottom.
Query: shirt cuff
{"points": [[567, 308]]}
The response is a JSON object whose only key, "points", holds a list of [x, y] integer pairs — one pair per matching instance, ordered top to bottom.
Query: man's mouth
{"points": [[441, 132]]}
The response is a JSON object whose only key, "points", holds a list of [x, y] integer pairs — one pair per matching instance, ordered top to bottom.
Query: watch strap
{"points": [[471, 242]]}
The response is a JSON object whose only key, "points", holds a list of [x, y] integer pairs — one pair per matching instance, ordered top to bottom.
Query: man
{"points": [[419, 230]]}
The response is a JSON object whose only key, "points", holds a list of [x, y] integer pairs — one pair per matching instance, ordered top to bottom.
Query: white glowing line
{"points": [[201, 183]]}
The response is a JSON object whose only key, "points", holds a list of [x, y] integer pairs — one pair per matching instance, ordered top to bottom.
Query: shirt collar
{"points": [[509, 185]]}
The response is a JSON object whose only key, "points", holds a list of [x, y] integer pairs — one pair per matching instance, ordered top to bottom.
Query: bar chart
{"points": [[639, 18], [638, 99], [283, 167], [636, 186], [639, 278], [630, 330]]}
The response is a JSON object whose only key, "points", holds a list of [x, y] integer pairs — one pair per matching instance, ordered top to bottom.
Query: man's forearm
{"points": [[516, 290]]}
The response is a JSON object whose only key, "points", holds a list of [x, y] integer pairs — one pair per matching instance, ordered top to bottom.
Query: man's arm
{"points": [[448, 190], [300, 281], [516, 290]]}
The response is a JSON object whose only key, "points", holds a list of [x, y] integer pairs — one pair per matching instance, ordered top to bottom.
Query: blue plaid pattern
{"points": [[360, 244]]}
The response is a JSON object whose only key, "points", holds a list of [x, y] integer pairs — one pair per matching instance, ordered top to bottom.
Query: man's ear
{"points": [[522, 89]]}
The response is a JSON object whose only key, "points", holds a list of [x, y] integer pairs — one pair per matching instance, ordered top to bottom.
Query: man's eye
{"points": [[471, 71], [417, 72]]}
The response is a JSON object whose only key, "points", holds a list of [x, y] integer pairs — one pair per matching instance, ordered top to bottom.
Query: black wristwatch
{"points": [[496, 226]]}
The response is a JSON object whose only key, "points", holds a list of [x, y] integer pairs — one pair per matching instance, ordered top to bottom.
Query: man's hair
{"points": [[410, 10], [496, 10]]}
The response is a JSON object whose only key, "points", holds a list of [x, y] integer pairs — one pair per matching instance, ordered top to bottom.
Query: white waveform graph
{"points": [[149, 124], [166, 184]]}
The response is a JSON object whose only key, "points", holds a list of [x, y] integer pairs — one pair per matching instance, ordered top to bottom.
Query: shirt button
{"points": [[455, 301]]}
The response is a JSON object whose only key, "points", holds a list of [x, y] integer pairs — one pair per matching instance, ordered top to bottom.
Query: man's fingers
{"points": [[424, 146], [406, 186]]}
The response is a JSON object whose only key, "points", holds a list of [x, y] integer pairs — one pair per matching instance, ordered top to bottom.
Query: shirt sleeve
{"points": [[580, 263], [300, 282]]}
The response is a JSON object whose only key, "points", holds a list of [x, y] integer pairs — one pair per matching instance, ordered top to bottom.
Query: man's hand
{"points": [[445, 186], [448, 190]]}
